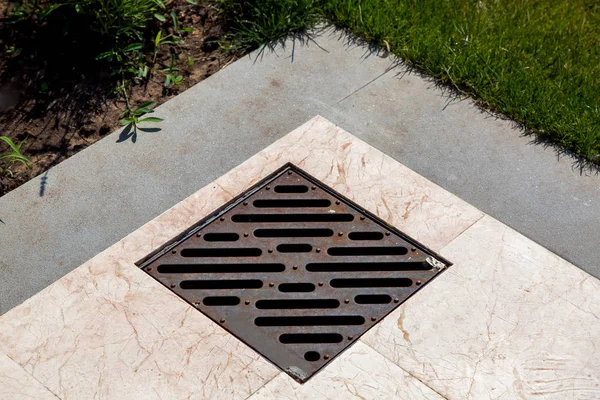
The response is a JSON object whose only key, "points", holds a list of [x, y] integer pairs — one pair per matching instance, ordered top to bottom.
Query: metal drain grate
{"points": [[294, 270]]}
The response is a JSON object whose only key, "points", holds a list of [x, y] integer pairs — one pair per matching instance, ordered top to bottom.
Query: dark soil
{"points": [[61, 102]]}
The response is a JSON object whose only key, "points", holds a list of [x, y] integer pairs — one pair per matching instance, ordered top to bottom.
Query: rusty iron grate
{"points": [[294, 270]]}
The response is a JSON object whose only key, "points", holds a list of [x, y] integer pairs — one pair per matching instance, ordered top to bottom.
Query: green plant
{"points": [[121, 20], [253, 23], [176, 28], [118, 29], [159, 40], [170, 77], [134, 117], [14, 155]]}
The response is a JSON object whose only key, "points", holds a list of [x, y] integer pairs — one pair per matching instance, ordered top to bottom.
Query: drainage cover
{"points": [[294, 270]]}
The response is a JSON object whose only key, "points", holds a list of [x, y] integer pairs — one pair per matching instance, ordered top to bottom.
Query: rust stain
{"points": [[275, 83], [406, 210], [405, 334]]}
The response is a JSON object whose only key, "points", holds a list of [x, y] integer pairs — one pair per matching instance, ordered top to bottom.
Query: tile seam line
{"points": [[362, 87], [483, 215], [519, 233], [402, 368], [33, 377], [266, 383]]}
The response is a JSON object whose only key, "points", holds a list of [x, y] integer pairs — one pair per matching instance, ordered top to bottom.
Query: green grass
{"points": [[254, 23], [537, 62]]}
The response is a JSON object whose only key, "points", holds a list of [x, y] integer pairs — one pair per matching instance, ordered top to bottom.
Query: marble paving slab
{"points": [[509, 320], [107, 330], [15, 383]]}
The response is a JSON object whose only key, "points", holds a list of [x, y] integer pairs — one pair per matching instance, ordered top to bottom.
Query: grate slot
{"points": [[291, 189], [291, 203], [292, 217], [291, 233], [365, 236], [221, 237], [294, 248], [367, 251], [223, 252], [367, 266], [219, 268], [294, 270], [371, 282], [222, 284], [296, 287], [373, 299], [220, 301], [296, 304], [310, 320], [311, 338]]}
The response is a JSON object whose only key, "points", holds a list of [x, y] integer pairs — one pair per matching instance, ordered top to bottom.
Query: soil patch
{"points": [[61, 105]]}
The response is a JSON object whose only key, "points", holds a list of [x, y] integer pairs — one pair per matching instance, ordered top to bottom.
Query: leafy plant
{"points": [[159, 40], [170, 77], [134, 117], [14, 155]]}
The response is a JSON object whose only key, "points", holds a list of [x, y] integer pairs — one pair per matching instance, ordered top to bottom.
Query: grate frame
{"points": [[268, 318]]}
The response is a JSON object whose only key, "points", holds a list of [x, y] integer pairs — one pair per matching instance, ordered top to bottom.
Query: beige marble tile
{"points": [[509, 320], [108, 330], [359, 373], [15, 383]]}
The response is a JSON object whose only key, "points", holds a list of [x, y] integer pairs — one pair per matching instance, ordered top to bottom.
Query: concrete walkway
{"points": [[110, 189]]}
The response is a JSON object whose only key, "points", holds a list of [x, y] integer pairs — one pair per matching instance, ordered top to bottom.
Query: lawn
{"points": [[537, 62]]}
